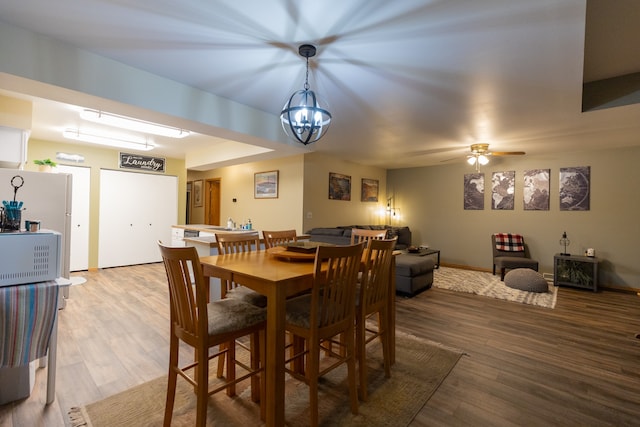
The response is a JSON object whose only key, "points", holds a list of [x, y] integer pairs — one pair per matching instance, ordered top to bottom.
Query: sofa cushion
{"points": [[328, 231]]}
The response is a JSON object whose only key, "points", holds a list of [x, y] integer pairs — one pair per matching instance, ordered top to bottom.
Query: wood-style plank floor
{"points": [[575, 365]]}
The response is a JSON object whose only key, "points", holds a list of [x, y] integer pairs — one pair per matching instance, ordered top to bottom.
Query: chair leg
{"points": [[502, 271], [383, 318], [361, 355], [221, 360], [255, 364], [231, 368], [313, 369], [351, 371], [202, 380], [171, 382]]}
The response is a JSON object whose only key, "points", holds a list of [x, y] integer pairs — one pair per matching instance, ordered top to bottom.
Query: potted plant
{"points": [[45, 165]]}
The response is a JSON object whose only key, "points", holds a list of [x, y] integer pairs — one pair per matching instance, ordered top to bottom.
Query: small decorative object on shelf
{"points": [[565, 242]]}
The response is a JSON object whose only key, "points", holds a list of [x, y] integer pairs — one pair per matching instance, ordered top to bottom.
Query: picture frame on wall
{"points": [[265, 185], [339, 186], [503, 186], [575, 188], [369, 190], [473, 192], [535, 192], [197, 193]]}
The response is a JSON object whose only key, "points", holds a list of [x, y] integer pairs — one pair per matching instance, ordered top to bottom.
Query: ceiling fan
{"points": [[480, 155]]}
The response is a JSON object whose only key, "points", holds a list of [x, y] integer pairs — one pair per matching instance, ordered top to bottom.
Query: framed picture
{"points": [[265, 185], [339, 186], [575, 188], [536, 189], [369, 190], [503, 190], [473, 191], [197, 193]]}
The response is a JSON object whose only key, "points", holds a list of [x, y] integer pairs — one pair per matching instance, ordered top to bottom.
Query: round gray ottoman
{"points": [[526, 279]]}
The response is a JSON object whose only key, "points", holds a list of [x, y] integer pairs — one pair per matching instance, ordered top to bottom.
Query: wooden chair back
{"points": [[359, 235], [279, 238], [231, 243], [374, 285], [334, 289], [186, 300]]}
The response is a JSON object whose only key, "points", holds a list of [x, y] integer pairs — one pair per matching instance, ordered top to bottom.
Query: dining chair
{"points": [[362, 235], [279, 238], [233, 243], [372, 298], [329, 310], [203, 325]]}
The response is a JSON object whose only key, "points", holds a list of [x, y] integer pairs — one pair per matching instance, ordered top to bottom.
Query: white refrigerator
{"points": [[46, 198]]}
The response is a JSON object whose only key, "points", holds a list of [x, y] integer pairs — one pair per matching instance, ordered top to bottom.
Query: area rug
{"points": [[488, 285], [420, 368]]}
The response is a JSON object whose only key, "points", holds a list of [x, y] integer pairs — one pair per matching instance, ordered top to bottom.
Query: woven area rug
{"points": [[488, 285], [420, 368]]}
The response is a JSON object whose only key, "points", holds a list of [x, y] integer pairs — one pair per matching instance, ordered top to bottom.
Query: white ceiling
{"points": [[409, 82]]}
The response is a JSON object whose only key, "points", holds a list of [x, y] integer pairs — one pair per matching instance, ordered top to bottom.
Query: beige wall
{"points": [[98, 158], [303, 188], [431, 200], [284, 212], [330, 213]]}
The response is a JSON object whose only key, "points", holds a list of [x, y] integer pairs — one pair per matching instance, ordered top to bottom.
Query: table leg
{"points": [[275, 372]]}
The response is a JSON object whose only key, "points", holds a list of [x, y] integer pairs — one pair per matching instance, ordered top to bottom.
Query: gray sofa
{"points": [[342, 235], [414, 274]]}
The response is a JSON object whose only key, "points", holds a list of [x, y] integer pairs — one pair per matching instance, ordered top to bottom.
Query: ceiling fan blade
{"points": [[507, 153]]}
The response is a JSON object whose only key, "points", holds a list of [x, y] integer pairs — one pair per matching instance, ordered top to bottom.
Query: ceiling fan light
{"points": [[482, 159], [471, 160]]}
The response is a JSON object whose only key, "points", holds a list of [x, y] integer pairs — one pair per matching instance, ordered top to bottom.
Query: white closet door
{"points": [[80, 202], [136, 210]]}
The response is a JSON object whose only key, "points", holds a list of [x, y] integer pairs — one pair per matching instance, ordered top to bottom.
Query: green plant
{"points": [[46, 162]]}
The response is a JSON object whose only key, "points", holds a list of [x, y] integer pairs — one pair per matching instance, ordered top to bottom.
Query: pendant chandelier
{"points": [[304, 116]]}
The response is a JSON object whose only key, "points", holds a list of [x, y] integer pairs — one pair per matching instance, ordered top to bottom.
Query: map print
{"points": [[575, 188], [536, 189], [502, 190], [474, 191]]}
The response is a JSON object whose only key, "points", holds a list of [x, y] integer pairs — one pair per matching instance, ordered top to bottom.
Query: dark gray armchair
{"points": [[504, 260]]}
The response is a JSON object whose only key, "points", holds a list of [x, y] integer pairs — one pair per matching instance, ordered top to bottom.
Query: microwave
{"points": [[30, 257]]}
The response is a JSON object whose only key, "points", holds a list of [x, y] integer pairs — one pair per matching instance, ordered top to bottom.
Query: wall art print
{"points": [[265, 185], [339, 186], [503, 186], [575, 188], [369, 190], [474, 191], [535, 192], [197, 193]]}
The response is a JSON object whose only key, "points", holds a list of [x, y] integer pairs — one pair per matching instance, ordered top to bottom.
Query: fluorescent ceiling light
{"points": [[132, 124], [130, 142]]}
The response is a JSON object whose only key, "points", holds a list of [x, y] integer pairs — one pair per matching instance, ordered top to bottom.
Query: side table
{"points": [[575, 270]]}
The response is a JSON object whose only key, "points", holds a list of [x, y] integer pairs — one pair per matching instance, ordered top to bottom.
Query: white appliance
{"points": [[46, 198], [29, 257]]}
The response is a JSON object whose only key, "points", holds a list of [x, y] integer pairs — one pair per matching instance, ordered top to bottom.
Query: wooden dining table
{"points": [[277, 278]]}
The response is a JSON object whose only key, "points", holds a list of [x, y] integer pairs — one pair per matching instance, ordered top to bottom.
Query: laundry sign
{"points": [[147, 163]]}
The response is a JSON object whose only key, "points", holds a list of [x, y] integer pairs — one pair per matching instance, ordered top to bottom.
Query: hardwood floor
{"points": [[575, 365]]}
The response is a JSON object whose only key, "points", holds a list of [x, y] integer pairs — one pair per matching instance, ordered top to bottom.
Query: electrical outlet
{"points": [[309, 215]]}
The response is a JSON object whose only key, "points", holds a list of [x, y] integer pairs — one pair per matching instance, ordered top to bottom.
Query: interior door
{"points": [[212, 201], [80, 202]]}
